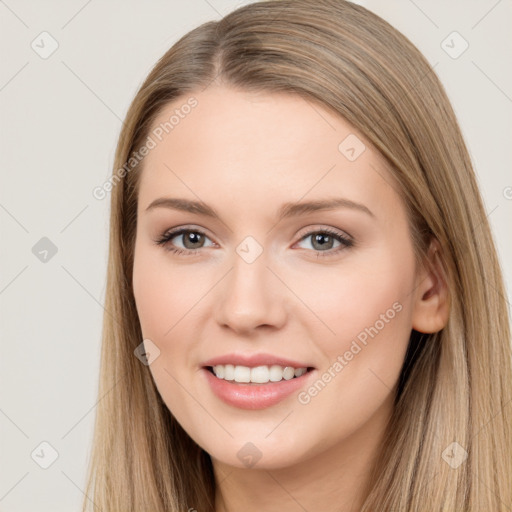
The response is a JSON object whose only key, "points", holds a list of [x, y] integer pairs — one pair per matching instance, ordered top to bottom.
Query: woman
{"points": [[305, 306]]}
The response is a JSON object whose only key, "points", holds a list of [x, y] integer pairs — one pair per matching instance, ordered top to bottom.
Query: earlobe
{"points": [[431, 306]]}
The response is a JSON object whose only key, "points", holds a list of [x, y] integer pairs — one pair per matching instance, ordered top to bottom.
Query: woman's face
{"points": [[262, 282]]}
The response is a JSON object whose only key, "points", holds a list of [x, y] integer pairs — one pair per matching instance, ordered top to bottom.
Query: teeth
{"points": [[229, 371], [300, 371], [242, 374], [258, 374]]}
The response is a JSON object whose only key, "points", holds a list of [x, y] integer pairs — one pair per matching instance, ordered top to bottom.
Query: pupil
{"points": [[191, 237], [319, 237]]}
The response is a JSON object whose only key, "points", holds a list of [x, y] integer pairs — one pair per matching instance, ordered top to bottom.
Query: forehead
{"points": [[245, 146]]}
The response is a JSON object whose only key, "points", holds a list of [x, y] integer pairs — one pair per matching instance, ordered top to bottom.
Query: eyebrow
{"points": [[287, 210]]}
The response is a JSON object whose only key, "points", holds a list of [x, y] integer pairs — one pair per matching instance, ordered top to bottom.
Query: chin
{"points": [[255, 456]]}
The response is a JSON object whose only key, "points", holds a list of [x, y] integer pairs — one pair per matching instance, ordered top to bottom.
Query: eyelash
{"points": [[167, 236]]}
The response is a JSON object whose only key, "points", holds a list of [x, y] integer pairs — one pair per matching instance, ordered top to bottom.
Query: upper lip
{"points": [[253, 360]]}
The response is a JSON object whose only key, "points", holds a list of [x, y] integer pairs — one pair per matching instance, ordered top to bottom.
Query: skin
{"points": [[245, 154]]}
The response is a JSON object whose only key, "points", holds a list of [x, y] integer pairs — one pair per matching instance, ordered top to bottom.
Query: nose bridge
{"points": [[250, 296]]}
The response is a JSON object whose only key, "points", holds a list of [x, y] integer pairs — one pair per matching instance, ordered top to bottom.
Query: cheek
{"points": [[149, 289], [163, 293], [356, 295], [163, 296], [169, 297], [365, 308], [368, 309]]}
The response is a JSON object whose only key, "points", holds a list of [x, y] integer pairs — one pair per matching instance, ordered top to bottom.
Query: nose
{"points": [[251, 297]]}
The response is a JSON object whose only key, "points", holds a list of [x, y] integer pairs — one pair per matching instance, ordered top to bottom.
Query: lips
{"points": [[255, 395]]}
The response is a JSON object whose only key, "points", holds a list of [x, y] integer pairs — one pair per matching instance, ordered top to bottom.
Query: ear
{"points": [[431, 306]]}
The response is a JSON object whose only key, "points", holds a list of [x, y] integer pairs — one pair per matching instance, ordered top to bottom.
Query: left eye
{"points": [[322, 241]]}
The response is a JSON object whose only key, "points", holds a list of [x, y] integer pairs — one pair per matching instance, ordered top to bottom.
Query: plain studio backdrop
{"points": [[70, 70]]}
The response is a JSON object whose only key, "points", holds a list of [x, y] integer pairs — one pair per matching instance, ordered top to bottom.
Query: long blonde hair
{"points": [[455, 386]]}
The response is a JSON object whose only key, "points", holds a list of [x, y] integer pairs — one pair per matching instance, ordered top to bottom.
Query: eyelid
{"points": [[318, 228], [172, 232]]}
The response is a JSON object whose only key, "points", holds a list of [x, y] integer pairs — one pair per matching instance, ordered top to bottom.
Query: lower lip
{"points": [[254, 396]]}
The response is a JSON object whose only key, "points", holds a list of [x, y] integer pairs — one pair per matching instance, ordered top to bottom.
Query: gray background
{"points": [[60, 119]]}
